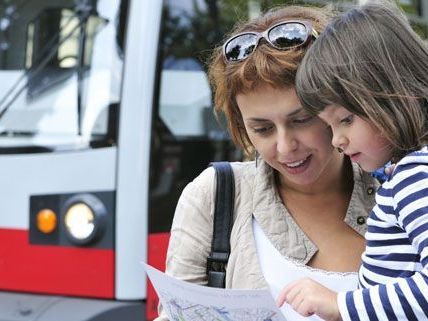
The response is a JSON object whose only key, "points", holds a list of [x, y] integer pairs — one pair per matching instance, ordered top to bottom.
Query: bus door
{"points": [[186, 136]]}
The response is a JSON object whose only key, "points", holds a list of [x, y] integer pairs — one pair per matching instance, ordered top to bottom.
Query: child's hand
{"points": [[308, 297]]}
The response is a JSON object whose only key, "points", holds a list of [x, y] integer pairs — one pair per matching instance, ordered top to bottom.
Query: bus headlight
{"points": [[84, 217]]}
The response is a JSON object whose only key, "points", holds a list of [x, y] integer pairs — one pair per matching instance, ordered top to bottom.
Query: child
{"points": [[366, 76]]}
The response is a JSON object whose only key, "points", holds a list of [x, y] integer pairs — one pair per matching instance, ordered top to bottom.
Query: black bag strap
{"points": [[223, 221]]}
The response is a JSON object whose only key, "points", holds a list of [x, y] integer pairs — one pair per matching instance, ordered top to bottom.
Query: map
{"points": [[185, 301], [182, 310]]}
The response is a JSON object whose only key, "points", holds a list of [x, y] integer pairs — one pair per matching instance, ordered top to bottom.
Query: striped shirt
{"points": [[393, 277]]}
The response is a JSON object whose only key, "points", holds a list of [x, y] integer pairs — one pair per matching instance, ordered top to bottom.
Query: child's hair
{"points": [[372, 63], [265, 66]]}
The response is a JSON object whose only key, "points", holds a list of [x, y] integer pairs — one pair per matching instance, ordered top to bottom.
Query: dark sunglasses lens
{"points": [[288, 35], [240, 47]]}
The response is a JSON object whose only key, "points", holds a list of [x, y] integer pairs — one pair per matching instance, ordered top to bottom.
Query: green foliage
{"points": [[410, 6], [421, 29], [194, 32]]}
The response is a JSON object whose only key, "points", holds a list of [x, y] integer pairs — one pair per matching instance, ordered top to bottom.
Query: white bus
{"points": [[105, 115]]}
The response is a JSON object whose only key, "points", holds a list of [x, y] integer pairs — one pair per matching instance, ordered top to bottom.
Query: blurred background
{"points": [[105, 115]]}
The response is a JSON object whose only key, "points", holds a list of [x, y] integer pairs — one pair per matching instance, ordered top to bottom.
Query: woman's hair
{"points": [[372, 63], [265, 66]]}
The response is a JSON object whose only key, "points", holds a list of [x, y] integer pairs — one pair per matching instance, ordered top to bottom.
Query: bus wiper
{"points": [[83, 10], [14, 92], [16, 133]]}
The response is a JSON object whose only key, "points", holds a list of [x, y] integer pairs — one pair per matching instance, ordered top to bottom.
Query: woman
{"points": [[301, 203]]}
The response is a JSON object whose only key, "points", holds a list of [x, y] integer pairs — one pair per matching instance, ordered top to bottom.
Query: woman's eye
{"points": [[303, 120], [347, 120], [262, 130]]}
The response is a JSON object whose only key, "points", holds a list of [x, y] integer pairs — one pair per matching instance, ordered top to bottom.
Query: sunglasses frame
{"points": [[265, 35]]}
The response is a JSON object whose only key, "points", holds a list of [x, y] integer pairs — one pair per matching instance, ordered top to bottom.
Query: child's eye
{"points": [[303, 120], [347, 120]]}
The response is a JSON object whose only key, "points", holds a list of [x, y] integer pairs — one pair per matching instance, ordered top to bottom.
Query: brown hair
{"points": [[372, 63], [265, 66]]}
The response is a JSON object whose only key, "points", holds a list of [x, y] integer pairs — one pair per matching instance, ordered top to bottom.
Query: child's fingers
{"points": [[288, 293], [282, 295], [296, 295], [297, 299], [280, 300], [304, 307]]}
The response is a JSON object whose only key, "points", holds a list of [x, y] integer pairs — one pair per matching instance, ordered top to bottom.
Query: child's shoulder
{"points": [[416, 158], [411, 168]]}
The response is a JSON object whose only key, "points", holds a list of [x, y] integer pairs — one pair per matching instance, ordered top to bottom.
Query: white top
{"points": [[280, 271]]}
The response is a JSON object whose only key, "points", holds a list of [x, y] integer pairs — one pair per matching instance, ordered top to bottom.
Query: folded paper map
{"points": [[185, 301]]}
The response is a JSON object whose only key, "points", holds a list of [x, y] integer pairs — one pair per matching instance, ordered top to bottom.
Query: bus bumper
{"points": [[29, 307]]}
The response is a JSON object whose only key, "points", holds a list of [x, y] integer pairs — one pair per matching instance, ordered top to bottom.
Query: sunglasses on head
{"points": [[284, 36]]}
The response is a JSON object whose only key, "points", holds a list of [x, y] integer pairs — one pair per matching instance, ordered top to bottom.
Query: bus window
{"points": [[190, 30], [60, 74], [186, 137]]}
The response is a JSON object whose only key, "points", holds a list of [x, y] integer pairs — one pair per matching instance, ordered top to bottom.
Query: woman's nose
{"points": [[286, 143]]}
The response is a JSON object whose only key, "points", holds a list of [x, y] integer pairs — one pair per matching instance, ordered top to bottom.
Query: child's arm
{"points": [[404, 204], [308, 297], [401, 298]]}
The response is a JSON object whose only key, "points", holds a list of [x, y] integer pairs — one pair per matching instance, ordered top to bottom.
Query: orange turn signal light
{"points": [[46, 220]]}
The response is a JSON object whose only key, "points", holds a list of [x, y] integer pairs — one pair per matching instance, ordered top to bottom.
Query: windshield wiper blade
{"points": [[83, 10], [13, 93], [16, 133]]}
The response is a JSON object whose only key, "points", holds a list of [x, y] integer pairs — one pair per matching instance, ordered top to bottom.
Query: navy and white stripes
{"points": [[393, 277]]}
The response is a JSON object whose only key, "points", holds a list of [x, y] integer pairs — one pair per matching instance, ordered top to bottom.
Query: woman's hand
{"points": [[389, 169], [382, 174], [308, 297]]}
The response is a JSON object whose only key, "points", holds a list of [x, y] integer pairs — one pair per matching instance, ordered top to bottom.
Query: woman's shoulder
{"points": [[242, 171], [204, 185]]}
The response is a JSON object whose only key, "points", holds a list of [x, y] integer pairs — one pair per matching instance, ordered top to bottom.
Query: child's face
{"points": [[358, 138]]}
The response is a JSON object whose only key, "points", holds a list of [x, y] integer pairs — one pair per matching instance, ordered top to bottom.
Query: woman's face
{"points": [[295, 143]]}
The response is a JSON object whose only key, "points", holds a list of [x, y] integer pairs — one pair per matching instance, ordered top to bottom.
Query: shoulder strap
{"points": [[223, 220]]}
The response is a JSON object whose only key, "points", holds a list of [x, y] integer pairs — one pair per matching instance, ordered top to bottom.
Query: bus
{"points": [[105, 115]]}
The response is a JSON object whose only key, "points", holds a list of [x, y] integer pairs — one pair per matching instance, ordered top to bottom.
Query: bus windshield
{"points": [[60, 73]]}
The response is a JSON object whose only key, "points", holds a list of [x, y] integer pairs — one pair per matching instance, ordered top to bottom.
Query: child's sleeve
{"points": [[403, 298]]}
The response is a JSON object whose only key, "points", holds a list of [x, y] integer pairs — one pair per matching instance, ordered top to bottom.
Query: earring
{"points": [[256, 156]]}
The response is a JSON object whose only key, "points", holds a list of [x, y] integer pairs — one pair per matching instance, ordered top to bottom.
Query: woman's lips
{"points": [[297, 167]]}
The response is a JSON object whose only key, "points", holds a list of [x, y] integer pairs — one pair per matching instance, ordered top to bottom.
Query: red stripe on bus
{"points": [[157, 247], [51, 269]]}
